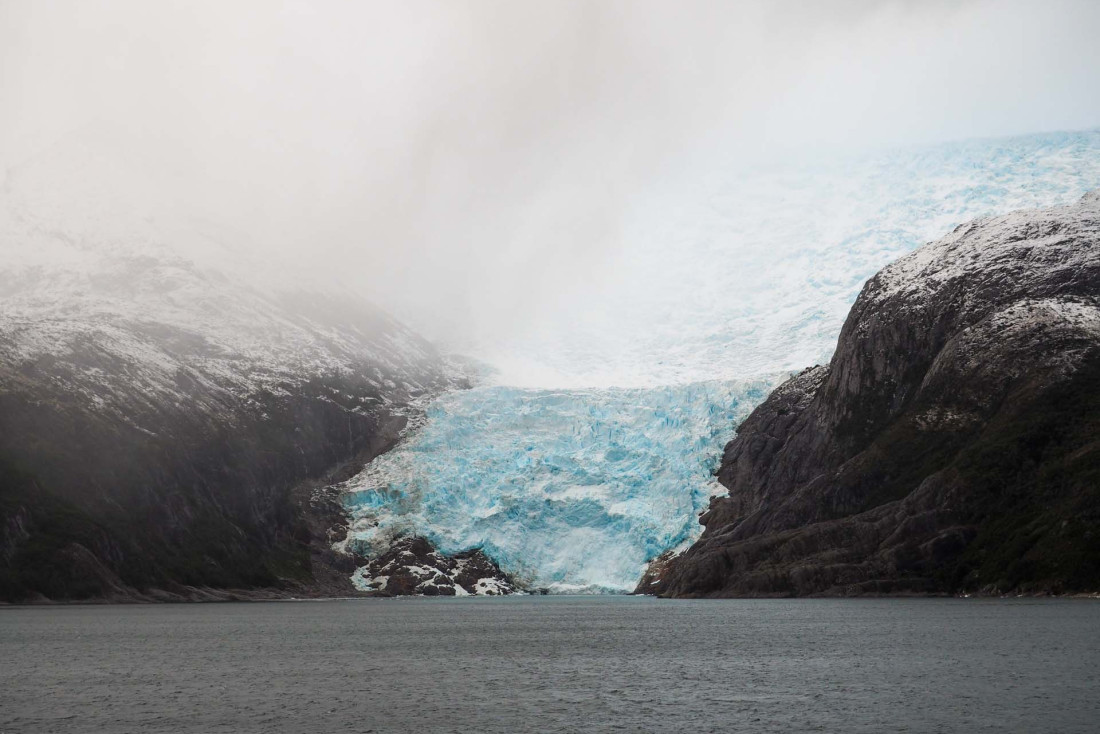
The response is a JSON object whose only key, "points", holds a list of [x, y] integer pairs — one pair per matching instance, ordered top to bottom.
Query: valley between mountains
{"points": [[169, 432]]}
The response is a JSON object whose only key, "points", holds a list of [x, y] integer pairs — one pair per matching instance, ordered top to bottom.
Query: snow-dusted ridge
{"points": [[108, 279], [180, 401], [949, 446]]}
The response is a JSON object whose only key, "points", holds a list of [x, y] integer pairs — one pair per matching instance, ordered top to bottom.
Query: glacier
{"points": [[588, 451], [549, 483]]}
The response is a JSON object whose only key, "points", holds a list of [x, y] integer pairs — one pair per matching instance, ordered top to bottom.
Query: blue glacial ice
{"points": [[727, 284], [569, 489]]}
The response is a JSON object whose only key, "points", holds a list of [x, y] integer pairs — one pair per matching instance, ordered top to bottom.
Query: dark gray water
{"points": [[554, 664]]}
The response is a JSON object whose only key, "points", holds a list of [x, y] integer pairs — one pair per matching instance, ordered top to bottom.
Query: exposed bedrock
{"points": [[952, 443], [153, 451], [411, 566]]}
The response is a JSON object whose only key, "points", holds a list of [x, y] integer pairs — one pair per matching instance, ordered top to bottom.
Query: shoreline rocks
{"points": [[413, 567]]}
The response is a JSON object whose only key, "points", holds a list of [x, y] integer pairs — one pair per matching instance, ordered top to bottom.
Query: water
{"points": [[592, 451], [554, 664]]}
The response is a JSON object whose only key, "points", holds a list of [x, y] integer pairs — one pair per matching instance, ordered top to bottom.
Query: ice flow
{"points": [[735, 281], [569, 489]]}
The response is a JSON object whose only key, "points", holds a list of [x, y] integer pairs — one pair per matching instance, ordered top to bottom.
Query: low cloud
{"points": [[468, 165]]}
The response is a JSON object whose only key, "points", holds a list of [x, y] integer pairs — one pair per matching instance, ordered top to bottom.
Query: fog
{"points": [[473, 166]]}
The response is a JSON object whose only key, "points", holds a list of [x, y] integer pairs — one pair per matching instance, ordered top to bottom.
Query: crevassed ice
{"points": [[727, 272], [737, 275], [568, 489]]}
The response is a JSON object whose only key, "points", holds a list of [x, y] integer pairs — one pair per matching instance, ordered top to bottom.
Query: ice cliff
{"points": [[568, 489]]}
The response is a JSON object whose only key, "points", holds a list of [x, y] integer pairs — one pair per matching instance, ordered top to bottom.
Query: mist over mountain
{"points": [[489, 172], [378, 290], [675, 323], [165, 403], [950, 443], [579, 487]]}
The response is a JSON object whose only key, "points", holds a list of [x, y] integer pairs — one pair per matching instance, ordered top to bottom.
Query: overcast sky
{"points": [[475, 160]]}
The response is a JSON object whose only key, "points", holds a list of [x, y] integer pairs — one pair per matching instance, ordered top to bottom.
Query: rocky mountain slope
{"points": [[166, 426], [952, 444]]}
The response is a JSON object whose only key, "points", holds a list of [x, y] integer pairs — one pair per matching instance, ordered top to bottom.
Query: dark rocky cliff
{"points": [[175, 402], [951, 445], [146, 453]]}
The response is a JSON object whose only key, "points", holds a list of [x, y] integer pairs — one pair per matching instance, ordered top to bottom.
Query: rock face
{"points": [[167, 429], [952, 443], [141, 454], [412, 566]]}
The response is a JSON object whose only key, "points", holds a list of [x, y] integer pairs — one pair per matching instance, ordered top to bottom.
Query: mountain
{"points": [[167, 426], [952, 443], [574, 473]]}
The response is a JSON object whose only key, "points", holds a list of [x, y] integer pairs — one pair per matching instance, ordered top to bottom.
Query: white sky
{"points": [[467, 165]]}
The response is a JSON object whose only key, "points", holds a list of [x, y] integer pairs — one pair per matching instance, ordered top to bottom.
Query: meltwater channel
{"points": [[743, 277]]}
